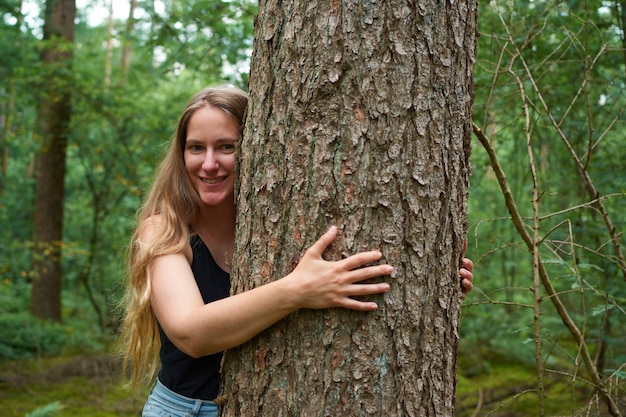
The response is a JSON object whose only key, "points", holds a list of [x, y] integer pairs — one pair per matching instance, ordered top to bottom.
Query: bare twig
{"points": [[479, 405]]}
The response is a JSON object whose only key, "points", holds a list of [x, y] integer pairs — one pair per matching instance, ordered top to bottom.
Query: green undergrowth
{"points": [[80, 385], [90, 385], [503, 387]]}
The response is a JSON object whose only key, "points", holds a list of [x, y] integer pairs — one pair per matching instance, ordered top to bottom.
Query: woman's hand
{"points": [[467, 277], [323, 284]]}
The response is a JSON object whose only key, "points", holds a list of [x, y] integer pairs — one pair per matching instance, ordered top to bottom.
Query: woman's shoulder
{"points": [[151, 230]]}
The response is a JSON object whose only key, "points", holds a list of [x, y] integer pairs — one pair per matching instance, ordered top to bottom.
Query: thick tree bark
{"points": [[359, 116], [53, 120]]}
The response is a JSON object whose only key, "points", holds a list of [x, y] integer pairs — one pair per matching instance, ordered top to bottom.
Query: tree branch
{"points": [[543, 274]]}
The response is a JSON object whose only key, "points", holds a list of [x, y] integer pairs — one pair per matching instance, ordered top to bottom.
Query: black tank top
{"points": [[187, 376]]}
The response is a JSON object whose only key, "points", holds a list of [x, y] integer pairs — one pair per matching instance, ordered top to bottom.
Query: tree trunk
{"points": [[620, 8], [127, 39], [108, 55], [7, 108], [359, 116], [53, 125]]}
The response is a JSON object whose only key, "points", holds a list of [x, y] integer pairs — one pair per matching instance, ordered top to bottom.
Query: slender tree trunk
{"points": [[620, 8], [130, 25], [108, 57], [7, 111], [359, 116], [6, 117], [53, 121]]}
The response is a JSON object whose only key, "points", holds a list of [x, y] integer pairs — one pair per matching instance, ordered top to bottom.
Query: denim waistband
{"points": [[168, 398]]}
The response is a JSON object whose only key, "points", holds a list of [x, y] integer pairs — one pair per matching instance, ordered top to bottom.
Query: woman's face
{"points": [[212, 136]]}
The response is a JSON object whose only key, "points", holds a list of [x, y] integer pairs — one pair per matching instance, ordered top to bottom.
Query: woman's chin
{"points": [[215, 200]]}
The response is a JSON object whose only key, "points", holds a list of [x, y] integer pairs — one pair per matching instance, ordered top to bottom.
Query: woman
{"points": [[178, 309]]}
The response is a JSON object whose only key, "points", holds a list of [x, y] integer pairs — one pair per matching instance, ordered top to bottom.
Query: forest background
{"points": [[541, 334]]}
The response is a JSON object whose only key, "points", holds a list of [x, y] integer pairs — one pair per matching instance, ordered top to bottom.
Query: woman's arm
{"points": [[200, 329]]}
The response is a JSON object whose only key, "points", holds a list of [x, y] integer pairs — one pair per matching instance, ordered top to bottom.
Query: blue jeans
{"points": [[163, 402]]}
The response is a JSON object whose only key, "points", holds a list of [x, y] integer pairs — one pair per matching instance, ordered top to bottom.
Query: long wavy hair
{"points": [[176, 202]]}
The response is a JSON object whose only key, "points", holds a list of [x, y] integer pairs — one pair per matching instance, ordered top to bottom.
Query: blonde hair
{"points": [[176, 203]]}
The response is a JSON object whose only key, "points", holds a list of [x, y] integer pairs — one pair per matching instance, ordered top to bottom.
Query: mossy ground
{"points": [[84, 385], [91, 385], [509, 389]]}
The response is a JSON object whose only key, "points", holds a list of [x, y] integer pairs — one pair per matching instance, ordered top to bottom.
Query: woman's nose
{"points": [[210, 161]]}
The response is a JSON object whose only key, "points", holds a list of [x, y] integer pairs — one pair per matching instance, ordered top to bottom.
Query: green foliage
{"points": [[206, 36], [23, 336]]}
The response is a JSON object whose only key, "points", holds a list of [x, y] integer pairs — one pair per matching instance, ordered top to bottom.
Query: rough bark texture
{"points": [[359, 117], [53, 120]]}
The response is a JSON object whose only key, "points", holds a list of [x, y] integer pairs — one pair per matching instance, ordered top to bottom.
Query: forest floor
{"points": [[78, 385], [90, 385]]}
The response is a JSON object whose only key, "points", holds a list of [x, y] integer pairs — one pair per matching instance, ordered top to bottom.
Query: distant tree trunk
{"points": [[620, 9], [130, 25], [108, 57], [7, 109], [359, 116], [6, 117], [53, 125]]}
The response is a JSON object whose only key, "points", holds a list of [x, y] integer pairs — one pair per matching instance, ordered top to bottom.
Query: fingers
{"points": [[318, 248], [360, 259], [352, 262], [467, 264], [365, 273], [466, 274], [467, 277], [467, 285], [357, 290], [352, 304]]}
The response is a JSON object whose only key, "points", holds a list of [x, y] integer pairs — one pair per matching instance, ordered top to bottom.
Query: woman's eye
{"points": [[229, 147], [195, 148]]}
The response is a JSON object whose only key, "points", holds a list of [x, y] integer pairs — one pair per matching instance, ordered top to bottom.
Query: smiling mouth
{"points": [[212, 180]]}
